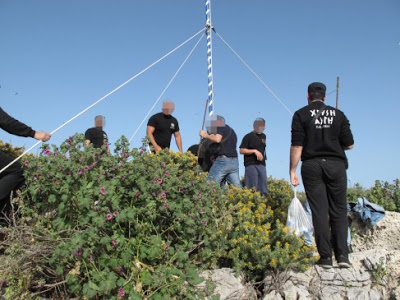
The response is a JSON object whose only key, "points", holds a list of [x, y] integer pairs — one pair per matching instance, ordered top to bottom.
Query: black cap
{"points": [[317, 87]]}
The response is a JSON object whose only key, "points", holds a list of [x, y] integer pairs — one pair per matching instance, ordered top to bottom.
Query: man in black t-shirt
{"points": [[161, 126], [320, 134], [96, 135], [253, 148], [226, 166], [13, 176]]}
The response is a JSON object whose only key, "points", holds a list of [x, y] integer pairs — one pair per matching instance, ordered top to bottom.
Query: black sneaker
{"points": [[343, 261], [325, 262]]}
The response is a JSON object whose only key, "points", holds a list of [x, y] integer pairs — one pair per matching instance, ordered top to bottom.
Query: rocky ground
{"points": [[375, 273]]}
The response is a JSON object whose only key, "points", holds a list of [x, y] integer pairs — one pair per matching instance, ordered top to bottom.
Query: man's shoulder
{"points": [[89, 130]]}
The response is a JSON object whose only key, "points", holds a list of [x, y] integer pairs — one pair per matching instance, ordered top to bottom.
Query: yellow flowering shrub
{"points": [[254, 239]]}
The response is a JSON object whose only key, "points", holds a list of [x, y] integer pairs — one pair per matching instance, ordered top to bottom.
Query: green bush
{"points": [[386, 195], [128, 223], [140, 226], [255, 241]]}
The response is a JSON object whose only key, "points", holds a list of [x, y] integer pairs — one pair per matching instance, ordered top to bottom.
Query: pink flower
{"points": [[141, 151], [47, 152], [55, 154], [123, 154], [26, 163], [86, 168], [80, 171], [166, 173], [123, 177], [159, 180], [56, 181], [102, 190], [213, 191], [137, 194], [163, 195], [165, 205], [95, 208], [115, 213], [109, 217], [179, 219], [114, 242], [78, 252], [90, 258], [121, 292]]}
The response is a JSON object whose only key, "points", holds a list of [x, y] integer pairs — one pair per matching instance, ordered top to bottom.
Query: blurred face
{"points": [[168, 108], [100, 121], [213, 123], [259, 126]]}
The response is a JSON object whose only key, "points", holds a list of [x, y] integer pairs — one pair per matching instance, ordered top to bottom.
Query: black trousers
{"points": [[10, 179], [325, 183]]}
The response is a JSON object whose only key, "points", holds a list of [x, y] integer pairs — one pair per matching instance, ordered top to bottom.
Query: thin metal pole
{"points": [[209, 29], [337, 93]]}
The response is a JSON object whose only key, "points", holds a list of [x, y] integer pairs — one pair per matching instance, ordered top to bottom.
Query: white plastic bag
{"points": [[297, 219]]}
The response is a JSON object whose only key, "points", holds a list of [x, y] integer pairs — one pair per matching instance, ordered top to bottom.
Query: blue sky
{"points": [[58, 57]]}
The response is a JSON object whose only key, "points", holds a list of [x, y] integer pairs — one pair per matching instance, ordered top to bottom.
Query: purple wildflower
{"points": [[26, 163], [86, 168], [80, 171], [166, 173], [123, 177], [159, 180], [56, 181], [102, 190], [137, 194], [163, 195], [165, 205], [115, 213], [109, 217], [179, 219], [114, 242], [78, 252], [90, 258], [121, 292]]}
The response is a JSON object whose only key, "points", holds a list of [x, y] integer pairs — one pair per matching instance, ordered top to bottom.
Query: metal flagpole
{"points": [[209, 29]]}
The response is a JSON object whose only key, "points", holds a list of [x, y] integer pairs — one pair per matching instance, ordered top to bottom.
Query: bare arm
{"points": [[150, 131], [216, 138], [178, 140], [87, 143], [349, 147], [252, 151], [295, 155]]}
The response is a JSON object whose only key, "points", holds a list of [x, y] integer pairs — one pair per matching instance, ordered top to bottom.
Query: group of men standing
{"points": [[320, 135]]}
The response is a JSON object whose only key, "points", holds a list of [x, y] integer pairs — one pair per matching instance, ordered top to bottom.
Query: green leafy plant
{"points": [[386, 194]]}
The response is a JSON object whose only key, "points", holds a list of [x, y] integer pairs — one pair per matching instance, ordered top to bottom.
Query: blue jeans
{"points": [[225, 169], [256, 176], [308, 235]]}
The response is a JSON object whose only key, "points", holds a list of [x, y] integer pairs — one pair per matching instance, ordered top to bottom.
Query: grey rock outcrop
{"points": [[374, 275]]}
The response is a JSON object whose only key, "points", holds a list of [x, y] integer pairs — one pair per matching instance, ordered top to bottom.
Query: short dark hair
{"points": [[316, 90]]}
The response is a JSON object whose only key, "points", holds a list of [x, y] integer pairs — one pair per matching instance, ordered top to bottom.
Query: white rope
{"points": [[255, 75], [169, 83], [102, 98]]}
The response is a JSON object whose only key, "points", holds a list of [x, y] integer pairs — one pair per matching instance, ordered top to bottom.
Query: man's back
{"points": [[97, 136], [326, 137]]}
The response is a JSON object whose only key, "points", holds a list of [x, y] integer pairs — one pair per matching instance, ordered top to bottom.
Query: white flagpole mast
{"points": [[209, 29]]}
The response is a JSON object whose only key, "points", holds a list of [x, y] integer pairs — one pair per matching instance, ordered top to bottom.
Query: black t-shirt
{"points": [[165, 126], [97, 136], [326, 137], [229, 141], [256, 141]]}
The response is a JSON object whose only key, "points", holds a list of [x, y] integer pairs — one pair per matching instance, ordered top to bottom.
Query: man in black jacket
{"points": [[320, 134], [96, 135], [13, 176]]}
